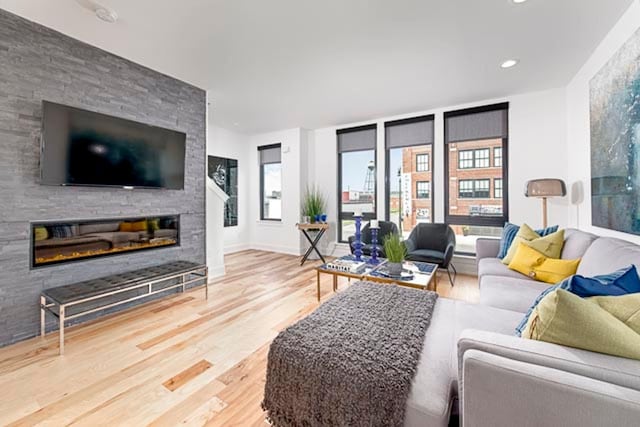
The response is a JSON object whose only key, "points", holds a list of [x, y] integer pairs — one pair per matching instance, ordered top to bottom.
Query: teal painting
{"points": [[615, 141]]}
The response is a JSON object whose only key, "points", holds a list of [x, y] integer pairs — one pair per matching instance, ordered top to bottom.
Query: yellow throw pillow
{"points": [[139, 225], [125, 226], [40, 233], [549, 245], [536, 265], [609, 325]]}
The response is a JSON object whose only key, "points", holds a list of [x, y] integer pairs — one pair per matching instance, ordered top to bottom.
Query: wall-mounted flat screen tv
{"points": [[81, 147]]}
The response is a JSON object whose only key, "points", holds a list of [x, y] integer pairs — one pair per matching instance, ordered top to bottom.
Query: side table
{"points": [[321, 228]]}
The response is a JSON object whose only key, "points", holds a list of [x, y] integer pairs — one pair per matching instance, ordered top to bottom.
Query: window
{"points": [[473, 137], [497, 157], [470, 159], [422, 162], [356, 177], [270, 182], [408, 182], [423, 188], [497, 188], [474, 189]]}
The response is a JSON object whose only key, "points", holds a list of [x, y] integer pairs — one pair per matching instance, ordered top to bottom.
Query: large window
{"points": [[476, 139], [409, 155], [471, 159], [356, 177], [270, 182]]}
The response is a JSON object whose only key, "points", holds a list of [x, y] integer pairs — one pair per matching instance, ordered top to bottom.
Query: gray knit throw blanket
{"points": [[350, 362]]}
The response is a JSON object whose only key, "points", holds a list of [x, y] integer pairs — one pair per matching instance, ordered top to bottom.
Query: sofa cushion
{"points": [[509, 232], [576, 243], [607, 254], [532, 263], [495, 267], [510, 294], [436, 379]]}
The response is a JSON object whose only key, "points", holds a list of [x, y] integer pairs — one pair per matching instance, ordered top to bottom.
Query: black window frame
{"points": [[268, 147], [418, 162], [387, 171], [428, 190], [366, 216], [482, 221]]}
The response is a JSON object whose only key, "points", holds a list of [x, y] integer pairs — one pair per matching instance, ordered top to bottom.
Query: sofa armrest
{"points": [[487, 248], [610, 369], [499, 391]]}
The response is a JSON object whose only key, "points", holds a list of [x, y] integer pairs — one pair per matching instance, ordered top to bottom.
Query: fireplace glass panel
{"points": [[65, 241]]}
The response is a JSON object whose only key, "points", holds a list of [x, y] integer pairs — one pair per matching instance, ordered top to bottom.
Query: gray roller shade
{"points": [[484, 125], [409, 134], [357, 140], [270, 154]]}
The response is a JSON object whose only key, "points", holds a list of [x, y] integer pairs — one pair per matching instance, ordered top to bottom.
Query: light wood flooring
{"points": [[181, 360]]}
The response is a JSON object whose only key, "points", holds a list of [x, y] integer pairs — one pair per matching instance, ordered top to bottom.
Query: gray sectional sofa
{"points": [[472, 357]]}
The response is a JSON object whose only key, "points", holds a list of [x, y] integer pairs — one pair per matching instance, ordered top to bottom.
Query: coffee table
{"points": [[424, 274]]}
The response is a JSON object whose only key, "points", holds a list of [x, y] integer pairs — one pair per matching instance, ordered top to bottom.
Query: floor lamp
{"points": [[543, 189]]}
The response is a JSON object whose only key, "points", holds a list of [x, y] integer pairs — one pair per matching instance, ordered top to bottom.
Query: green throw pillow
{"points": [[549, 245], [607, 324]]}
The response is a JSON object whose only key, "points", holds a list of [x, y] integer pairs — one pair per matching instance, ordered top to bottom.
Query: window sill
{"points": [[270, 222]]}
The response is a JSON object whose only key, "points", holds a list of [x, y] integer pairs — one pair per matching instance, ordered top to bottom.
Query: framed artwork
{"points": [[615, 141], [224, 172]]}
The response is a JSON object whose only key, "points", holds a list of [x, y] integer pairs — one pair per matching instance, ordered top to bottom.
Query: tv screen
{"points": [[81, 147]]}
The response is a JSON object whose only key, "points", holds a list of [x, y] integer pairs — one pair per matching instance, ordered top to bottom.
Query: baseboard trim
{"points": [[276, 248], [216, 271]]}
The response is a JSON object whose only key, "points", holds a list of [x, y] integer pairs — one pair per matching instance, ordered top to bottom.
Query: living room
{"points": [[206, 206]]}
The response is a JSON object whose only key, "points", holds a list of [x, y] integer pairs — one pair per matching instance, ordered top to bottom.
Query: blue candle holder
{"points": [[358, 243], [374, 244]]}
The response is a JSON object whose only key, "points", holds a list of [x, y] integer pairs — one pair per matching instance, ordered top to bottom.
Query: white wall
{"points": [[578, 127], [225, 143], [537, 149], [279, 236]]}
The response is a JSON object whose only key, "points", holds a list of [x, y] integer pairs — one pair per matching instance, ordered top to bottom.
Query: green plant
{"points": [[313, 202], [394, 248]]}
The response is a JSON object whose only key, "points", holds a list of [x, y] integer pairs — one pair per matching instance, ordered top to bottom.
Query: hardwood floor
{"points": [[181, 360]]}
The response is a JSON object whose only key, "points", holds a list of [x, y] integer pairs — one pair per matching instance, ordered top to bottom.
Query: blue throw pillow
{"points": [[509, 233], [620, 282]]}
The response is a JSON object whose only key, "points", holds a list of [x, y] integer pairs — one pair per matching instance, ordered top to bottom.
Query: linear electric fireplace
{"points": [[66, 241]]}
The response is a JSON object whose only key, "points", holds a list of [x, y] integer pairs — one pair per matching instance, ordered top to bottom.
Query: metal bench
{"points": [[144, 282]]}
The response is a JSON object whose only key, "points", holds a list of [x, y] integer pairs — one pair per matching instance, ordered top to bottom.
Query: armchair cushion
{"points": [[426, 255]]}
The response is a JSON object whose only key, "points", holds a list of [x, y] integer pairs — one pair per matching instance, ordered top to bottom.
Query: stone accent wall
{"points": [[36, 64]]}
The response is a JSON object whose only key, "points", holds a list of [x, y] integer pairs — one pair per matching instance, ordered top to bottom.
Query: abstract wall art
{"points": [[615, 141], [224, 172]]}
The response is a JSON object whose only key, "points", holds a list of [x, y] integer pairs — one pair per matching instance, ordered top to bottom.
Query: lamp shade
{"points": [[547, 187]]}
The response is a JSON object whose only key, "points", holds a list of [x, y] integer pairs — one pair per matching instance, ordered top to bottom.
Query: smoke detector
{"points": [[106, 15]]}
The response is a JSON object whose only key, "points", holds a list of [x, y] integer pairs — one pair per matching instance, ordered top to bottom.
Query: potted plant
{"points": [[313, 203], [395, 251]]}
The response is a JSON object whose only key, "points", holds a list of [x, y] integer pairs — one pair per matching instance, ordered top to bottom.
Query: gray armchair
{"points": [[433, 243]]}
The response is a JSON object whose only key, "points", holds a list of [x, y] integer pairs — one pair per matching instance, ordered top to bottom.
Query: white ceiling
{"points": [[275, 64]]}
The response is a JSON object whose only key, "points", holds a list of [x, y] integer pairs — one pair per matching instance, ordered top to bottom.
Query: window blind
{"points": [[475, 125], [408, 133], [357, 139], [270, 154]]}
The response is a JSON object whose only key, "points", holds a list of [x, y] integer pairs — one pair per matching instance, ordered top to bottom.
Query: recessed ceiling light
{"points": [[518, 1], [106, 15], [509, 63]]}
